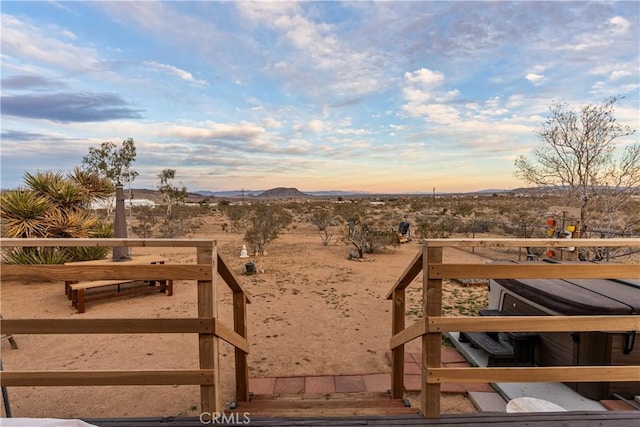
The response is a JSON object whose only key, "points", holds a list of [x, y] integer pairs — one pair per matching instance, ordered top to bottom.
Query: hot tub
{"points": [[537, 297]]}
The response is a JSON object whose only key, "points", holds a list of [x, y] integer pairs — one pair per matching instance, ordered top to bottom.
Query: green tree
{"points": [[578, 158], [112, 162], [170, 192], [51, 205], [264, 225]]}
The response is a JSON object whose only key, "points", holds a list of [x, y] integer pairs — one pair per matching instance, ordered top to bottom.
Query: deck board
{"points": [[568, 419]]}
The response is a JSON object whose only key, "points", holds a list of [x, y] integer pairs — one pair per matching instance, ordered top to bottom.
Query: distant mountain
{"points": [[230, 193], [283, 193]]}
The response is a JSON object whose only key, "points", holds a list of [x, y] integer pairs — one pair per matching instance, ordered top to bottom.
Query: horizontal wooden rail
{"points": [[111, 242], [515, 243], [534, 271], [108, 272], [516, 324], [534, 324], [107, 326], [125, 326], [537, 374], [91, 378]]}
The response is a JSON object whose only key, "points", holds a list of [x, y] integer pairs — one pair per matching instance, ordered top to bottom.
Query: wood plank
{"points": [[107, 242], [514, 243], [142, 259], [535, 271], [107, 272], [410, 273], [230, 279], [98, 284], [240, 301], [398, 311], [534, 324], [107, 326], [410, 333], [230, 336], [432, 341], [208, 344], [537, 374], [87, 378], [566, 419]]}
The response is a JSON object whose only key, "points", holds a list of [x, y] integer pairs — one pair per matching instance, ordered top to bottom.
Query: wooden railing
{"points": [[209, 266], [431, 326]]}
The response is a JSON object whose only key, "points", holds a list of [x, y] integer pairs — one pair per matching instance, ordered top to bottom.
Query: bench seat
{"points": [[79, 297]]}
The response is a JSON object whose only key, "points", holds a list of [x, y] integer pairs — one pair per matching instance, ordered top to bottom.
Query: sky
{"points": [[384, 97]]}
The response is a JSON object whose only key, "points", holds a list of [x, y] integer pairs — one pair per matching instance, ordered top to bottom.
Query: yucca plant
{"points": [[54, 206]]}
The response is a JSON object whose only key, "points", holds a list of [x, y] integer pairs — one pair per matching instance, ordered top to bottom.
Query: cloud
{"points": [[618, 24], [26, 40], [182, 74], [424, 77], [536, 79], [22, 82], [69, 107]]}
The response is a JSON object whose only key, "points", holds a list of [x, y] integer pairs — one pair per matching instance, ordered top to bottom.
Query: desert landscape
{"points": [[313, 312]]}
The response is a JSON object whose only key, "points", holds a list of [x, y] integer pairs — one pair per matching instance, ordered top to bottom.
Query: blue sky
{"points": [[373, 96]]}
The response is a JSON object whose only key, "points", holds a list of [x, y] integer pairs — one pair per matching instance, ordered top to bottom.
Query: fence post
{"points": [[240, 326], [431, 341], [209, 343], [397, 354]]}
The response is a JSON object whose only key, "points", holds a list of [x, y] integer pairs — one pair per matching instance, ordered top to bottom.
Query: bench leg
{"points": [[67, 287], [169, 288], [80, 300], [12, 342]]}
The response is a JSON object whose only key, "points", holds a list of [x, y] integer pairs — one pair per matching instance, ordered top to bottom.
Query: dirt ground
{"points": [[313, 312]]}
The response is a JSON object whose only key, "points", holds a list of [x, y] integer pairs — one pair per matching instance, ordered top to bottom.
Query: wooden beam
{"points": [[104, 242], [514, 243], [112, 271], [535, 271], [410, 273], [230, 279], [398, 310], [534, 324], [107, 326], [408, 334], [229, 335], [431, 341], [208, 344], [242, 364], [530, 375], [91, 378]]}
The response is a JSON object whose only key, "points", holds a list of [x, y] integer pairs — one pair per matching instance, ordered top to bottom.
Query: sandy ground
{"points": [[313, 312]]}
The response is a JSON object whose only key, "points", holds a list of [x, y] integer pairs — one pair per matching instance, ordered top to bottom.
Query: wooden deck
{"points": [[566, 419]]}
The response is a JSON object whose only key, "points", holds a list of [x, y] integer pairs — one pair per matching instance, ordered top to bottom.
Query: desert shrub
{"points": [[264, 225], [439, 227]]}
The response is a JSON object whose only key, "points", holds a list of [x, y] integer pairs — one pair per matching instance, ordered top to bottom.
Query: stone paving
{"points": [[379, 382]]}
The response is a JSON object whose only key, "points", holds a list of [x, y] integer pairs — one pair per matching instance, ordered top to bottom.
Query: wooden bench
{"points": [[77, 291], [79, 297]]}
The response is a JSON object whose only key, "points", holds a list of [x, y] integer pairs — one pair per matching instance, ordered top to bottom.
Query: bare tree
{"points": [[578, 158], [323, 219]]}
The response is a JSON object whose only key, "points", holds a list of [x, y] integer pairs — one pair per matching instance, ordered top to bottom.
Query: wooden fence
{"points": [[209, 266], [430, 327]]}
